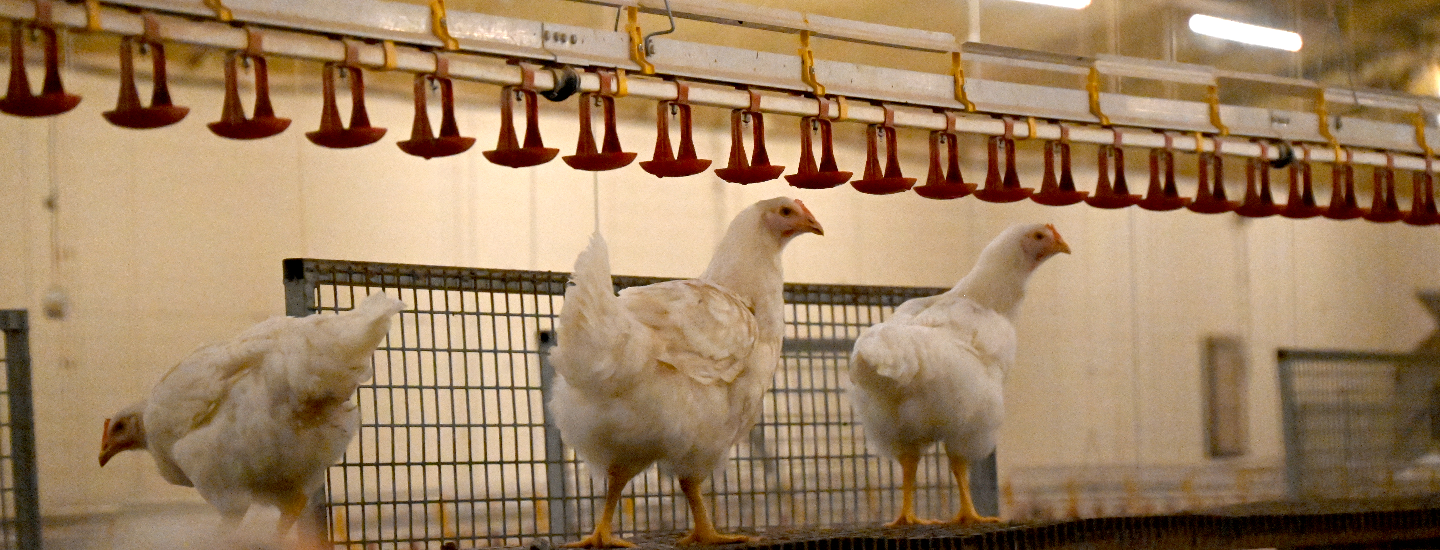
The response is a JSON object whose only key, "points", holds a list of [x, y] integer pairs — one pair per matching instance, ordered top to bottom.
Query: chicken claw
{"points": [[910, 519], [598, 540]]}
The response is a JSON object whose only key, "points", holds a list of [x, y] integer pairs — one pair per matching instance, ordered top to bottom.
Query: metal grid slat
{"points": [[1360, 424], [454, 443]]}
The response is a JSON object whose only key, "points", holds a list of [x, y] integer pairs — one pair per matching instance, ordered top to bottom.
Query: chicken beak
{"points": [[810, 224], [1060, 244], [107, 449], [106, 453]]}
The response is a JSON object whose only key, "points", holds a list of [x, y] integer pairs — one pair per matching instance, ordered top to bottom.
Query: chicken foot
{"points": [[909, 463], [960, 467], [704, 531], [602, 537]]}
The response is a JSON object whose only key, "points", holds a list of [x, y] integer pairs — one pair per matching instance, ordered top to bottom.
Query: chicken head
{"points": [[787, 217], [1042, 242], [125, 432]]}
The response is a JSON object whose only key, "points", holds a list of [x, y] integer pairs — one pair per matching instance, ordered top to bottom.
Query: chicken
{"points": [[933, 371], [673, 372], [260, 418]]}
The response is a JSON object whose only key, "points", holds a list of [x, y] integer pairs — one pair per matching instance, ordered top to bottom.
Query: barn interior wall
{"points": [[166, 239]]}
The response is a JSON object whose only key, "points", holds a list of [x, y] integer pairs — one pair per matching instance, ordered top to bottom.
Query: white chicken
{"points": [[933, 371], [673, 372], [258, 419]]}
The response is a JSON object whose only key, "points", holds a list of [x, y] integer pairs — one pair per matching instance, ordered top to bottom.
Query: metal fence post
{"points": [[298, 293], [22, 428], [556, 491]]}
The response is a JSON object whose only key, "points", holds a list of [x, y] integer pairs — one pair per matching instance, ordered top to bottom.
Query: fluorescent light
{"points": [[1072, 4], [1245, 32]]}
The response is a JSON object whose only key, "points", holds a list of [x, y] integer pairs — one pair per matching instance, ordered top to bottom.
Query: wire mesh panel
{"points": [[1360, 424], [454, 443], [19, 492]]}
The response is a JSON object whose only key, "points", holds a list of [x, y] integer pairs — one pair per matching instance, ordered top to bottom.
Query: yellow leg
{"points": [[908, 464], [961, 469], [704, 531], [602, 537]]}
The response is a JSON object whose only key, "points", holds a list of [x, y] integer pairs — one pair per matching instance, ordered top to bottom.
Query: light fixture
{"points": [[1072, 4], [1245, 32]]}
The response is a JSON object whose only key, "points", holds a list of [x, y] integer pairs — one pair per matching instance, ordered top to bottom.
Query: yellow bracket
{"points": [[221, 12], [92, 16], [440, 25], [637, 44], [388, 46], [807, 65], [958, 71], [622, 84], [1092, 85], [1212, 97], [1322, 112], [1418, 119], [1030, 126]]}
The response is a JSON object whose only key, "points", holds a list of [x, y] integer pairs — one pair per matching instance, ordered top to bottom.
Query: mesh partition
{"points": [[1360, 424], [454, 444]]}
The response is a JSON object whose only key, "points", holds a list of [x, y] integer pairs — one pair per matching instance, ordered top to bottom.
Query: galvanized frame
{"points": [[805, 464], [19, 482]]}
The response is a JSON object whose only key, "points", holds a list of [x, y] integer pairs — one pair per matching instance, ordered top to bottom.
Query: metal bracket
{"points": [[221, 12], [440, 25], [637, 44], [649, 48], [807, 65], [957, 70], [1092, 87], [1212, 97], [1322, 113], [1418, 119]]}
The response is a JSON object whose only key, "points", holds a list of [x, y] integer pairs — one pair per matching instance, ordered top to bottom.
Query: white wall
{"points": [[170, 238]]}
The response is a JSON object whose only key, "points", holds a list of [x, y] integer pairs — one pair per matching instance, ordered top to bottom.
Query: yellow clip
{"points": [[221, 12], [92, 16], [441, 26], [637, 44], [388, 46], [807, 65], [958, 71], [622, 84], [1092, 85], [1212, 97], [1322, 112], [1418, 119], [1030, 125], [1199, 143]]}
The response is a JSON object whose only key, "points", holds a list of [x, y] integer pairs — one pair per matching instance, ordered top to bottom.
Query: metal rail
{"points": [[300, 28]]}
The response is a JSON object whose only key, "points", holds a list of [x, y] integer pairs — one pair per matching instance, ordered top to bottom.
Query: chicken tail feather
{"points": [[592, 332], [340, 347]]}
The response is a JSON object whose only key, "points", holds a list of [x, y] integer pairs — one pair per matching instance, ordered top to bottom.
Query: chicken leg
{"points": [[909, 463], [960, 467], [704, 531], [602, 537]]}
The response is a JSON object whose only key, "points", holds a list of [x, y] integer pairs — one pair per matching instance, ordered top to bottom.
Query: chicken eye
{"points": [[786, 211], [1039, 236], [118, 426]]}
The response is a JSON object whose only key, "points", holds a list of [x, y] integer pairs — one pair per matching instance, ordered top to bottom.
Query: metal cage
{"points": [[1360, 424], [454, 444], [19, 485]]}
